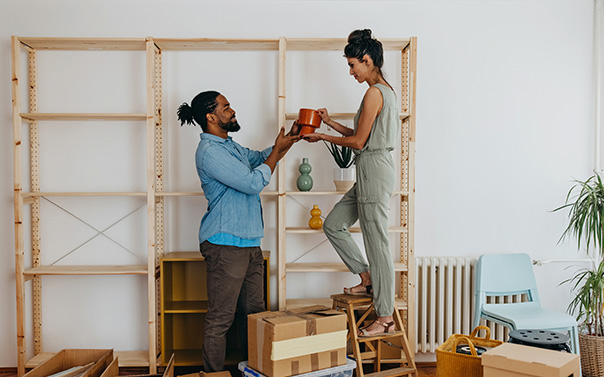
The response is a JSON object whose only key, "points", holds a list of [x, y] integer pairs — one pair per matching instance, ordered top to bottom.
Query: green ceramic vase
{"points": [[304, 181]]}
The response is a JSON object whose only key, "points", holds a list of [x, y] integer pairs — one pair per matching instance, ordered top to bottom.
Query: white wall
{"points": [[504, 122]]}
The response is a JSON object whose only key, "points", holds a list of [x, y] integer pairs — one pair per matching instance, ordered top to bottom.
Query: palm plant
{"points": [[343, 156], [586, 223], [588, 302]]}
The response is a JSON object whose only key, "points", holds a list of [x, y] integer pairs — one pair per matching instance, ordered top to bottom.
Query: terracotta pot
{"points": [[310, 120]]}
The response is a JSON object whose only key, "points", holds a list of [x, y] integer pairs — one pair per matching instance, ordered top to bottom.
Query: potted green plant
{"points": [[344, 175], [586, 223]]}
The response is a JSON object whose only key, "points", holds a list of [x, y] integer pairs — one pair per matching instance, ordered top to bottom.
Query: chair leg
{"points": [[574, 342]]}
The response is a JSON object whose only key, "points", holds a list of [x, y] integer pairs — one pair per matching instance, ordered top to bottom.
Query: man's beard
{"points": [[230, 126]]}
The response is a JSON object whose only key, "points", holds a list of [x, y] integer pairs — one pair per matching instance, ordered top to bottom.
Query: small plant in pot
{"points": [[344, 175], [586, 223]]}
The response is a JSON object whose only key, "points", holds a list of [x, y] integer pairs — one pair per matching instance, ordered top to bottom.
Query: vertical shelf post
{"points": [[34, 144], [151, 185], [159, 187], [18, 191], [282, 200], [411, 200]]}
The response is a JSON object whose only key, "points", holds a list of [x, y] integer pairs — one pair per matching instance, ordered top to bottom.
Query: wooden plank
{"points": [[125, 44], [209, 44], [338, 44], [83, 116], [339, 116], [34, 177], [281, 183], [199, 193], [324, 193], [40, 194], [411, 199], [18, 205], [151, 205], [391, 229], [177, 256], [329, 267], [88, 270], [38, 359], [128, 359]]}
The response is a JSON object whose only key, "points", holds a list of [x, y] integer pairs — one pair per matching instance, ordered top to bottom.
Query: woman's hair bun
{"points": [[359, 35]]}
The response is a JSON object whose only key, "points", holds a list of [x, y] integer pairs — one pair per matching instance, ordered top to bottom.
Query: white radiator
{"points": [[445, 301]]}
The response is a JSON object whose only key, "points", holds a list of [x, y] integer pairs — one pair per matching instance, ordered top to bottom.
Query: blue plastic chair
{"points": [[512, 274]]}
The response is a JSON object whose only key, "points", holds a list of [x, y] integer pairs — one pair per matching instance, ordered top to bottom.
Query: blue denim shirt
{"points": [[231, 178]]}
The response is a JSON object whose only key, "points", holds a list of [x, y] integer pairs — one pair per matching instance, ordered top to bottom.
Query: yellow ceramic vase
{"points": [[315, 221]]}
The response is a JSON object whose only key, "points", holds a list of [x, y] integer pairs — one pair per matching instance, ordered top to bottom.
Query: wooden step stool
{"points": [[350, 303]]}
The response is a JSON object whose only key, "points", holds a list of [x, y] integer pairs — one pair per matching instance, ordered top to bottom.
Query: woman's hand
{"points": [[324, 116], [314, 137]]}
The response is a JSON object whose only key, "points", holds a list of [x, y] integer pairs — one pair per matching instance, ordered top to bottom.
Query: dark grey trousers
{"points": [[235, 284]]}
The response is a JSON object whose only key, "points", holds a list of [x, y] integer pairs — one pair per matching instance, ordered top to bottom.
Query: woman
{"points": [[376, 127]]}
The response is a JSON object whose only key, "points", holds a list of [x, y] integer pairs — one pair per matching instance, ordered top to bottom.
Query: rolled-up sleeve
{"points": [[219, 164]]}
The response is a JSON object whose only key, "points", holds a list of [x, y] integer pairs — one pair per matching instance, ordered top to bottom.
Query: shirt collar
{"points": [[207, 136]]}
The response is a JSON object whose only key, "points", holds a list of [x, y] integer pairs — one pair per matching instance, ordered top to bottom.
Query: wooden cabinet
{"points": [[183, 306]]}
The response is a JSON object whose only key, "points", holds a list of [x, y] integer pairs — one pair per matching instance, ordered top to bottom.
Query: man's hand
{"points": [[295, 130], [284, 142], [282, 145]]}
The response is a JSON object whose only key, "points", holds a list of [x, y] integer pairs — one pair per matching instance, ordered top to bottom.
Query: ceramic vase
{"points": [[304, 181], [315, 221]]}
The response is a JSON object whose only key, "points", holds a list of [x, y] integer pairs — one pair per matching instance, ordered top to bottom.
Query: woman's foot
{"points": [[359, 290], [378, 327]]}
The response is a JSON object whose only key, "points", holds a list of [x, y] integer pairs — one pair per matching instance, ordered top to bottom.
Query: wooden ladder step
{"points": [[395, 334], [402, 371]]}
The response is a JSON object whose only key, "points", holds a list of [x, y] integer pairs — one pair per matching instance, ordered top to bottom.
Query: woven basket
{"points": [[592, 355], [449, 363]]}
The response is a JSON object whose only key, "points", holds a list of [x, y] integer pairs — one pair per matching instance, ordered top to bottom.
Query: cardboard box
{"points": [[291, 342], [69, 358], [513, 360]]}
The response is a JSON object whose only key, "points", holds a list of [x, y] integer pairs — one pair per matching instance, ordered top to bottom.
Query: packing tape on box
{"points": [[285, 349]]}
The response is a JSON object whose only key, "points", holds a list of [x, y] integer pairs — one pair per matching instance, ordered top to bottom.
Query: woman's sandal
{"points": [[368, 290], [388, 330]]}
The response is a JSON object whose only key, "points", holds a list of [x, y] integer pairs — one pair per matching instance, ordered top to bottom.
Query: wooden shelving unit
{"points": [[26, 81]]}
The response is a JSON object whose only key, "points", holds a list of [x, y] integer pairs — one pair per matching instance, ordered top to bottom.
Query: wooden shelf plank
{"points": [[124, 44], [208, 44], [338, 44], [84, 116], [339, 116], [199, 193], [323, 193], [39, 194], [391, 229], [184, 256], [330, 267], [88, 270]]}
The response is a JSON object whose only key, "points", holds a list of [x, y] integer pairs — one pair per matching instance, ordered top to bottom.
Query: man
{"points": [[231, 177]]}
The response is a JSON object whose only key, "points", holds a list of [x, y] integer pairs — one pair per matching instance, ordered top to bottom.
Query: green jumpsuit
{"points": [[367, 201]]}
